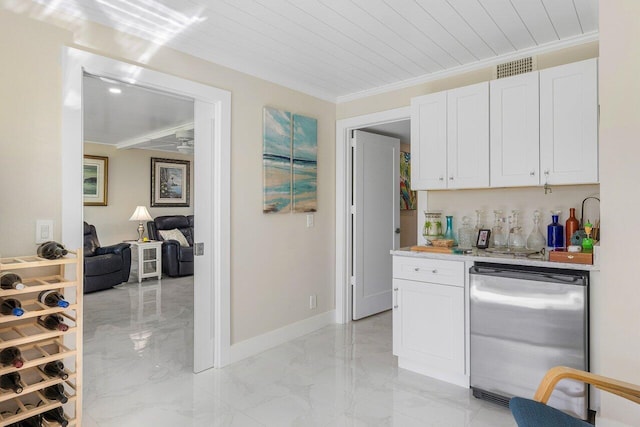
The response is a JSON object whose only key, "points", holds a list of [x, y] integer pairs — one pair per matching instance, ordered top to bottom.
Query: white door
{"points": [[569, 123], [515, 131], [468, 136], [429, 142], [376, 225], [203, 292]]}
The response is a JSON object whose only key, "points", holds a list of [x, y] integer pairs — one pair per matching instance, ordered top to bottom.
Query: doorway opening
{"points": [[212, 122], [344, 200]]}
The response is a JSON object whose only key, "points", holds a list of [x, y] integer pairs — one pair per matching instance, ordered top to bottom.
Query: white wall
{"points": [[129, 186], [276, 262], [616, 304]]}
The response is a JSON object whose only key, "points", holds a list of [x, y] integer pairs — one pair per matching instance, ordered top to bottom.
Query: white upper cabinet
{"points": [[569, 123], [515, 131], [468, 136], [429, 141]]}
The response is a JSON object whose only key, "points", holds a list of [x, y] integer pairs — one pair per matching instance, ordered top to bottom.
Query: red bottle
{"points": [[571, 226]]}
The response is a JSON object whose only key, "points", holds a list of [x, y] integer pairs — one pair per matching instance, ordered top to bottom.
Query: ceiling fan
{"points": [[185, 138]]}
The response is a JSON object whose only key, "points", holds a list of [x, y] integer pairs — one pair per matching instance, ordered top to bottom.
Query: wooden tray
{"points": [[432, 249], [571, 257]]}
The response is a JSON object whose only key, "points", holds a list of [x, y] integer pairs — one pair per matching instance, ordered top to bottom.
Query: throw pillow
{"points": [[174, 234]]}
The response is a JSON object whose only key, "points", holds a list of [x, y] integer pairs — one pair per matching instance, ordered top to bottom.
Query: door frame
{"points": [[215, 120], [344, 185]]}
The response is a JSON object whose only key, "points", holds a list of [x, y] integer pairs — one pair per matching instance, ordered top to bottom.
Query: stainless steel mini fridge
{"points": [[523, 322]]}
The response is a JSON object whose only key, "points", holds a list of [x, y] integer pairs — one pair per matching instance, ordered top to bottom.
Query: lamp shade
{"points": [[141, 214]]}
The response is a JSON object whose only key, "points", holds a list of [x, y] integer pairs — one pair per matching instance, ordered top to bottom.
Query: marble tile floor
{"points": [[138, 361]]}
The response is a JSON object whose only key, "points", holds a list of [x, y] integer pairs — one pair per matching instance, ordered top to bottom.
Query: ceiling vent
{"points": [[512, 68]]}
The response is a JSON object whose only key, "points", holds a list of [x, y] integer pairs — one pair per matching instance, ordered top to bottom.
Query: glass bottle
{"points": [[479, 225], [432, 226], [571, 226], [555, 232], [448, 234], [465, 234], [498, 238], [516, 238], [536, 241], [587, 242], [51, 250], [9, 280], [52, 299], [11, 306], [11, 356], [55, 369], [11, 381], [55, 392]]}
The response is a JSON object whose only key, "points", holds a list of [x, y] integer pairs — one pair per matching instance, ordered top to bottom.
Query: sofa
{"points": [[177, 257], [104, 266]]}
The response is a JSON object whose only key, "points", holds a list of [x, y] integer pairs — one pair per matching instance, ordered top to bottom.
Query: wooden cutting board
{"points": [[433, 249]]}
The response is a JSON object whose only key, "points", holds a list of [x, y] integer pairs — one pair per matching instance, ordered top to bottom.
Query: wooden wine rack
{"points": [[39, 345]]}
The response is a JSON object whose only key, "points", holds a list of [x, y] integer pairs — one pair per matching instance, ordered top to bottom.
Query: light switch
{"points": [[309, 220], [44, 230]]}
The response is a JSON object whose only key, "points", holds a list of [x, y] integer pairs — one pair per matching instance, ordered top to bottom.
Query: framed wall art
{"points": [[276, 161], [305, 164], [95, 180], [170, 181], [407, 197]]}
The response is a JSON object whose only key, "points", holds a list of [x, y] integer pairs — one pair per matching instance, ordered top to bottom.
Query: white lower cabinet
{"points": [[429, 319]]}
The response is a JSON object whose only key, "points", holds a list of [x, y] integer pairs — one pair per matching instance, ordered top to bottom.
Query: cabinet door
{"points": [[569, 123], [515, 131], [468, 136], [429, 141], [428, 324]]}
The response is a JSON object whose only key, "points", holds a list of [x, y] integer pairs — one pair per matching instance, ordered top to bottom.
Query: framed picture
{"points": [[95, 180], [170, 181], [483, 238]]}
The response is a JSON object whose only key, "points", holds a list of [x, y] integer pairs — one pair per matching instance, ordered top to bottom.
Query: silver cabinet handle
{"points": [[546, 172], [532, 173], [450, 178], [441, 179], [416, 269], [434, 271], [395, 297]]}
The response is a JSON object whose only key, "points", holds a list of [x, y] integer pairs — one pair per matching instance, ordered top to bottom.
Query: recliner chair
{"points": [[177, 260], [104, 267]]}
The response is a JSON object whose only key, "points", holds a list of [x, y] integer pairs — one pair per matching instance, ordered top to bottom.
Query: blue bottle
{"points": [[449, 233], [555, 233]]}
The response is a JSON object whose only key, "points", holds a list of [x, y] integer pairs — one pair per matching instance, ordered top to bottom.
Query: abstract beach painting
{"points": [[276, 160], [305, 164]]}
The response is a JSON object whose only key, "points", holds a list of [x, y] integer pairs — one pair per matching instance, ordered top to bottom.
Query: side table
{"points": [[149, 258]]}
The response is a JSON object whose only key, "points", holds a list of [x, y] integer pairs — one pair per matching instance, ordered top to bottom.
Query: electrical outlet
{"points": [[309, 220], [44, 230], [313, 302]]}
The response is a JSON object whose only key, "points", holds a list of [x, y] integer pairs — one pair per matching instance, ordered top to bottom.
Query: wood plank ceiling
{"points": [[343, 49]]}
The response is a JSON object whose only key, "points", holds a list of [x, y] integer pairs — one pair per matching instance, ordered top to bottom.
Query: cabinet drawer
{"points": [[429, 270]]}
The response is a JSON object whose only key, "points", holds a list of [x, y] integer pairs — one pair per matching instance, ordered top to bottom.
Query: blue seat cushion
{"points": [[529, 413]]}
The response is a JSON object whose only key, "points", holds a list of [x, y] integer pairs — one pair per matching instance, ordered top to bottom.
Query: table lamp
{"points": [[140, 214]]}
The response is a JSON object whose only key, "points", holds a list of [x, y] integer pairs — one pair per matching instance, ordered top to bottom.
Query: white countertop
{"points": [[480, 256]]}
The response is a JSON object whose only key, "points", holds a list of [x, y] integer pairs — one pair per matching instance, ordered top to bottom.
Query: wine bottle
{"points": [[51, 250], [9, 280], [52, 299], [11, 306], [53, 322], [11, 356], [55, 369], [11, 381], [55, 392], [7, 414], [56, 415], [34, 421]]}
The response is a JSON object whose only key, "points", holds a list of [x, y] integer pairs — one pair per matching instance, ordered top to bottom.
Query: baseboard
{"points": [[255, 345], [461, 380], [604, 422]]}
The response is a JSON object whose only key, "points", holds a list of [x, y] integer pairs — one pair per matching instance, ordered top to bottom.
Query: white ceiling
{"points": [[343, 49], [135, 118], [400, 129]]}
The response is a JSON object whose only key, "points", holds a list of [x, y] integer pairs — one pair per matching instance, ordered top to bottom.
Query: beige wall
{"points": [[129, 186], [276, 261], [617, 302]]}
